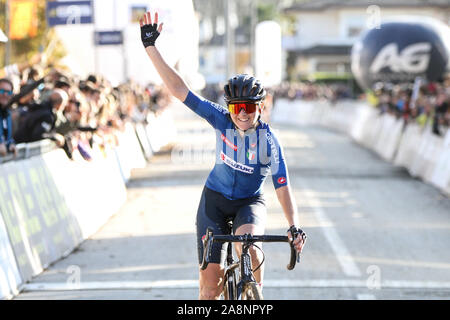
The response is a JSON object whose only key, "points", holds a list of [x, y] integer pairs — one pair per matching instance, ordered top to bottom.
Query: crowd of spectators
{"points": [[294, 90], [39, 102], [49, 103], [429, 105]]}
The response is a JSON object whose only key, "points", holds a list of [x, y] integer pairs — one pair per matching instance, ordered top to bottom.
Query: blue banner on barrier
{"points": [[69, 12]]}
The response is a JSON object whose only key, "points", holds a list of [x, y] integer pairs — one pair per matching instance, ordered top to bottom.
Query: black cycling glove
{"points": [[149, 34], [297, 231]]}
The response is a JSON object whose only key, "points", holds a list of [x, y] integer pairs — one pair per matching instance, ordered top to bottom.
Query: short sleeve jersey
{"points": [[242, 162]]}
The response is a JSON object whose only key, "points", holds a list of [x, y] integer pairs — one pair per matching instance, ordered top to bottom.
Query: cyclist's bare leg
{"points": [[255, 253], [211, 282]]}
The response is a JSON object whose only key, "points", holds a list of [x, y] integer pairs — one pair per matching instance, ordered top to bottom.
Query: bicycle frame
{"points": [[230, 271], [246, 273]]}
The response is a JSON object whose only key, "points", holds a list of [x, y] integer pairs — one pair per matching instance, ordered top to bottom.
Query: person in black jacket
{"points": [[39, 122], [7, 143]]}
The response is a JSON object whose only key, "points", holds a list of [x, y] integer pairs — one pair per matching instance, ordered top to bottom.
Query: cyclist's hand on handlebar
{"points": [[149, 31], [300, 239]]}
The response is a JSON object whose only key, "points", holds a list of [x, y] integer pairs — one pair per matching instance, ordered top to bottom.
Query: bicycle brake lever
{"points": [[294, 236]]}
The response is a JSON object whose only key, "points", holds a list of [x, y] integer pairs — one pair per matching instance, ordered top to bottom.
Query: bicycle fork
{"points": [[246, 270]]}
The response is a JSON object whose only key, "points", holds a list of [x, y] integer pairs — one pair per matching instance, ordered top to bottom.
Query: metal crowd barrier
{"points": [[417, 149], [28, 150], [49, 204]]}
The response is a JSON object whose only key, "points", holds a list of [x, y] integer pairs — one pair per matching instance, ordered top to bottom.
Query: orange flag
{"points": [[23, 19]]}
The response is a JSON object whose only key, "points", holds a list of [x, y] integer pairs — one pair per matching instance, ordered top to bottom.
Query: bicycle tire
{"points": [[229, 288], [252, 292]]}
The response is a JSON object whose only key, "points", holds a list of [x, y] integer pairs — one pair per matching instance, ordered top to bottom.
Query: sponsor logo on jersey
{"points": [[220, 108], [228, 142], [273, 148], [235, 165], [282, 180]]}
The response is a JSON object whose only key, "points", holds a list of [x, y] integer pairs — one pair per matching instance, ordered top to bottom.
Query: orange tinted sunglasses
{"points": [[236, 108]]}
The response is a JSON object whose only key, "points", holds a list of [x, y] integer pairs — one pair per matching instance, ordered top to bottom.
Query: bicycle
{"points": [[239, 281]]}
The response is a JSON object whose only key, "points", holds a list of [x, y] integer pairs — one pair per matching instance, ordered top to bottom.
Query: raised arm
{"points": [[173, 81]]}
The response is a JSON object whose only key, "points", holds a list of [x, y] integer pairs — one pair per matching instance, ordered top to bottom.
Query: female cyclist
{"points": [[247, 151]]}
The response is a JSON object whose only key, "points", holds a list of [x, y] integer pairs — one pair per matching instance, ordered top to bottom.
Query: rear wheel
{"points": [[252, 291]]}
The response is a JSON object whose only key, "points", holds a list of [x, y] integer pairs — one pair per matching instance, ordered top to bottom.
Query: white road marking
{"points": [[343, 256], [193, 284], [111, 285], [365, 296]]}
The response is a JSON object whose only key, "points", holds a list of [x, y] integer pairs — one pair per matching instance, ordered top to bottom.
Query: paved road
{"points": [[374, 232]]}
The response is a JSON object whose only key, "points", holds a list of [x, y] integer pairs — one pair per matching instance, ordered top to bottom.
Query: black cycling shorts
{"points": [[215, 210]]}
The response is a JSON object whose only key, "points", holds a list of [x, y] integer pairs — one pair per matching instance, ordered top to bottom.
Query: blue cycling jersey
{"points": [[242, 162]]}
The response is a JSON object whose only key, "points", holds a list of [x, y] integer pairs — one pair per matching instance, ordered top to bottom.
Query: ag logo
{"points": [[412, 59]]}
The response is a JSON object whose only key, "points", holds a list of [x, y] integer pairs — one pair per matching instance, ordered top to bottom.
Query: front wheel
{"points": [[229, 290], [252, 291]]}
